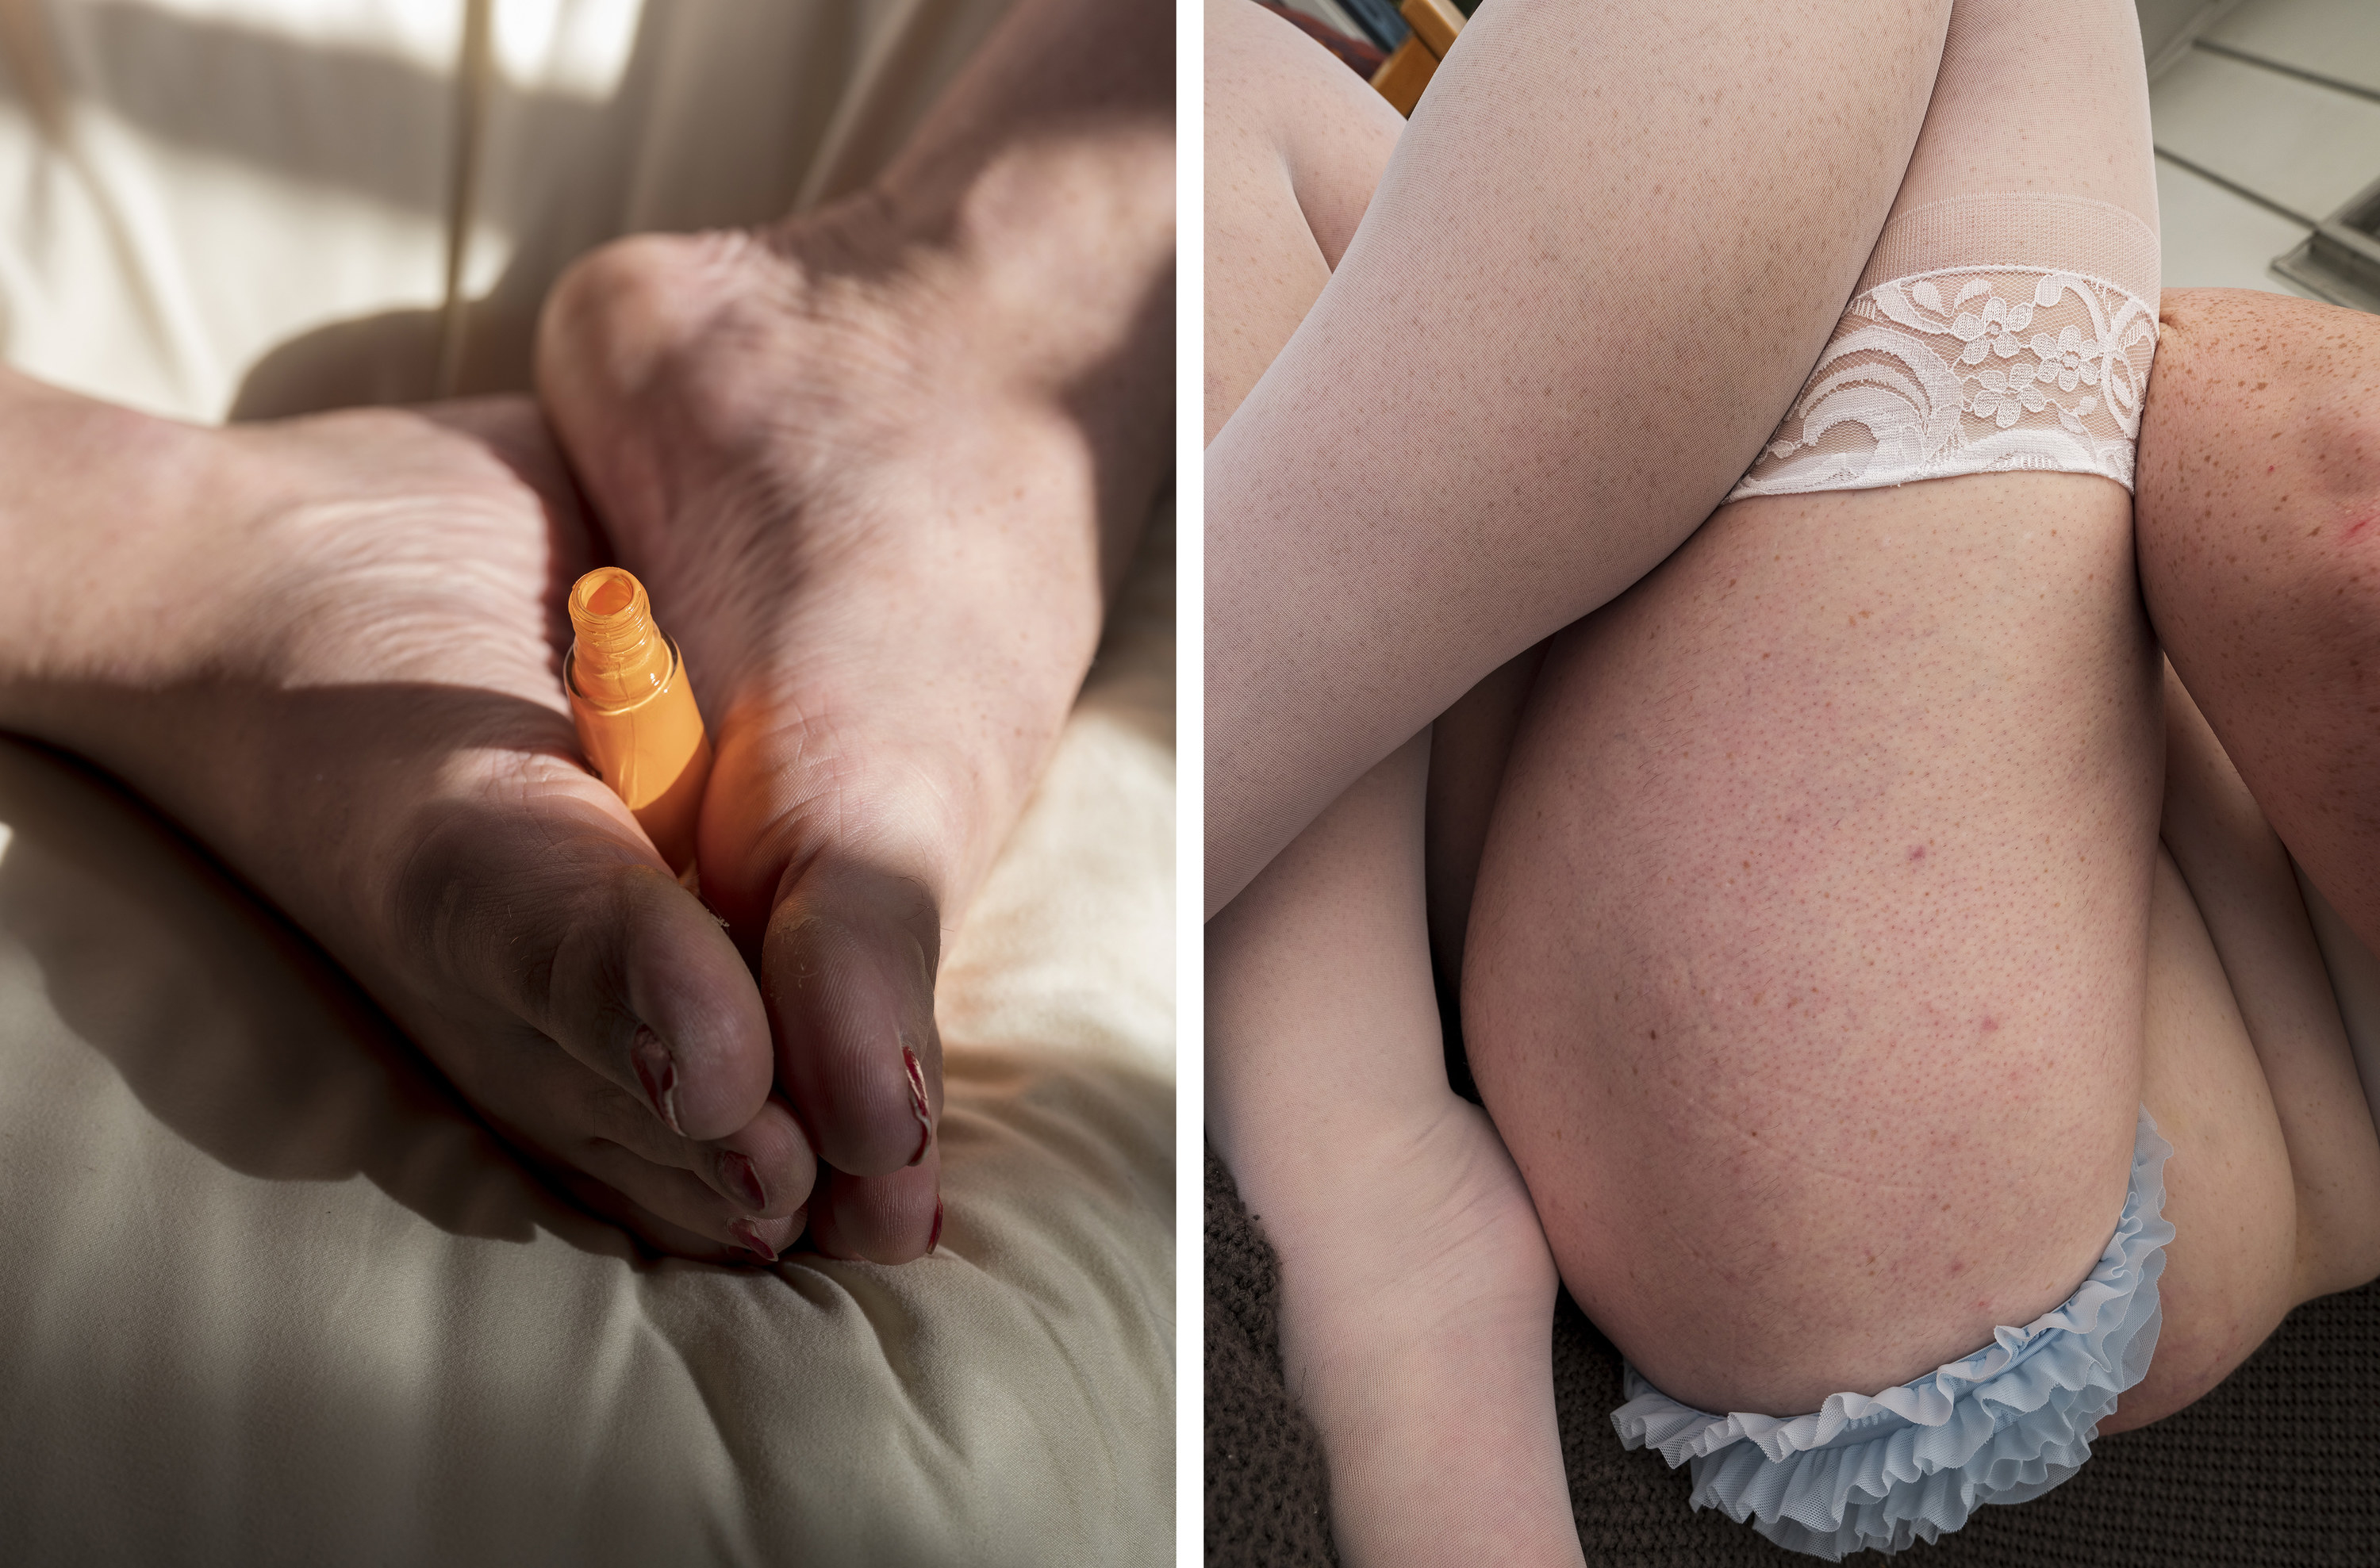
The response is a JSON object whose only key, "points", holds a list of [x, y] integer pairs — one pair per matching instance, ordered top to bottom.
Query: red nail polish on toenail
{"points": [[657, 1070], [918, 1104], [744, 1180], [748, 1236], [934, 1236]]}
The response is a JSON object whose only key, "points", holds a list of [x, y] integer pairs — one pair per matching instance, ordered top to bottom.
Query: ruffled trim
{"points": [[2003, 1425]]}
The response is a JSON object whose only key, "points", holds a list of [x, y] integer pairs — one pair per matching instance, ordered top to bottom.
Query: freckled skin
{"points": [[2260, 481], [1666, 860], [1738, 916]]}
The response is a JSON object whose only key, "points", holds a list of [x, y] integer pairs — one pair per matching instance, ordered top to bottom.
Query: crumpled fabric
{"points": [[2003, 1425]]}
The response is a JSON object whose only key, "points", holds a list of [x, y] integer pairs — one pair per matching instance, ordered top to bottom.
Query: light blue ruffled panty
{"points": [[2003, 1425]]}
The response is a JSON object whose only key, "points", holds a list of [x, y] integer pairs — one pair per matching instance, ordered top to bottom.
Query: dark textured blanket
{"points": [[2279, 1466]]}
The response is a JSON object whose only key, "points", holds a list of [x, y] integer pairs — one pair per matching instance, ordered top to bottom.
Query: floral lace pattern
{"points": [[1968, 370]]}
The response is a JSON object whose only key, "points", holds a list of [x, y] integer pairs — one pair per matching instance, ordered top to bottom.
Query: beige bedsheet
{"points": [[266, 1292]]}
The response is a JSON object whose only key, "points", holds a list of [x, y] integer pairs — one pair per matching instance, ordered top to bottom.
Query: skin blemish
{"points": [[1917, 851], [1991, 1024], [1958, 1268]]}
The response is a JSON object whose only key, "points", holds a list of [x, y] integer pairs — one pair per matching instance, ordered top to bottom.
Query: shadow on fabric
{"points": [[232, 1028]]}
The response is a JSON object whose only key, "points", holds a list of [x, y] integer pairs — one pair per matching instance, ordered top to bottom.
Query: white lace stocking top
{"points": [[1988, 333]]}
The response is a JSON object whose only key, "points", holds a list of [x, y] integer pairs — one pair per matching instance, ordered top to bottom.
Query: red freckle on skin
{"points": [[2357, 527], [1917, 851], [1991, 1024], [1958, 1268]]}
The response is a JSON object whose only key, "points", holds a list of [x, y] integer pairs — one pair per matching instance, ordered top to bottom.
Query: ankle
{"points": [[99, 508]]}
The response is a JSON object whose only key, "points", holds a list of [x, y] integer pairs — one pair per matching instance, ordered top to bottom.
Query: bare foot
{"points": [[880, 491], [329, 647], [1418, 1290], [1417, 1330]]}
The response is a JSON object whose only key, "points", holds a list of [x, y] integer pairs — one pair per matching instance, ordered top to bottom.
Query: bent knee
{"points": [[2247, 386], [2258, 469]]}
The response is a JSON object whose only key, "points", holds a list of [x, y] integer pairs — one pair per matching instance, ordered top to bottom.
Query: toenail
{"points": [[657, 1070], [917, 1102], [744, 1180], [748, 1236], [934, 1236]]}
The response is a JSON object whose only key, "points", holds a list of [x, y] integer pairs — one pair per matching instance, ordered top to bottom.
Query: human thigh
{"points": [[1807, 958]]}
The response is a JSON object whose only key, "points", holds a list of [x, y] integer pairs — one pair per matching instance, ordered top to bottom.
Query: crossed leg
{"points": [[1544, 357], [1823, 945], [1805, 972], [2240, 1054], [1416, 1278]]}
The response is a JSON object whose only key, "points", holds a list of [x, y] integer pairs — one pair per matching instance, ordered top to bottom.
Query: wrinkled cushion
{"points": [[268, 1293]]}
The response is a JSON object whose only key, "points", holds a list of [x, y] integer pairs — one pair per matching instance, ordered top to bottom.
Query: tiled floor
{"points": [[2335, 39], [2268, 122]]}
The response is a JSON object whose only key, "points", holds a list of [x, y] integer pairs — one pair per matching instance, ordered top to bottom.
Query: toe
{"points": [[555, 913], [847, 971], [686, 1002], [766, 1168], [763, 1170], [750, 1189], [655, 1216], [887, 1219]]}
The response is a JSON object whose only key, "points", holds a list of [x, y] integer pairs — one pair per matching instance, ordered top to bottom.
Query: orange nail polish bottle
{"points": [[635, 711]]}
